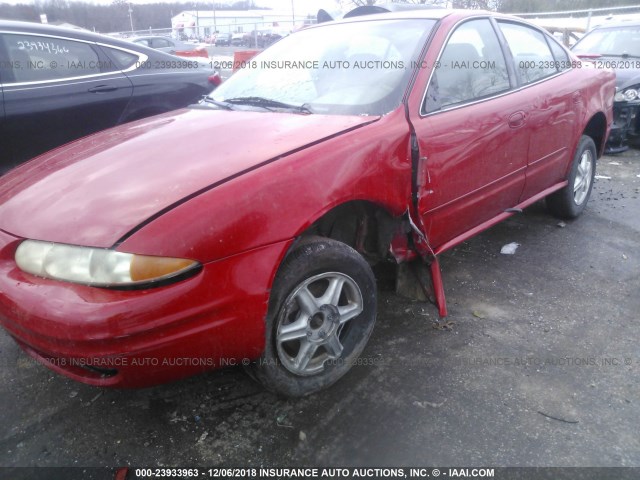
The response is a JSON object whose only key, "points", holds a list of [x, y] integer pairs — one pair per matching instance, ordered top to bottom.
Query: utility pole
{"points": [[293, 15], [131, 17], [197, 21], [215, 27]]}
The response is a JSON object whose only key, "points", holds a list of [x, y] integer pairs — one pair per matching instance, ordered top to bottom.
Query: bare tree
{"points": [[360, 3], [466, 4], [477, 4]]}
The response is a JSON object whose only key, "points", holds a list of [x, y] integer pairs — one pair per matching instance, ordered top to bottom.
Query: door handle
{"points": [[103, 89], [517, 119]]}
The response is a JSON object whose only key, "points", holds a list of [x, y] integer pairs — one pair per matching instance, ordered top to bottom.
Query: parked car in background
{"points": [[264, 38], [237, 39], [223, 40], [617, 46], [174, 47], [57, 85], [243, 229]]}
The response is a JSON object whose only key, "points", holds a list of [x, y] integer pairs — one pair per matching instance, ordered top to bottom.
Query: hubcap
{"points": [[583, 179], [311, 323]]}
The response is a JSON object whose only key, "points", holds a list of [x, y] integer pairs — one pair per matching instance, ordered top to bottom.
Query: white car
{"points": [[172, 46]]}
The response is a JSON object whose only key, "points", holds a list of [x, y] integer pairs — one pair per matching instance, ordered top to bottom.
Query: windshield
{"points": [[611, 41], [359, 68]]}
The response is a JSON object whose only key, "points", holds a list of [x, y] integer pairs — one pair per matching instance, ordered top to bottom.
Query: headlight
{"points": [[627, 95], [99, 267]]}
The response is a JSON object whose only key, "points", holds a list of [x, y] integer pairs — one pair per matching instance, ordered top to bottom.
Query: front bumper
{"points": [[625, 126], [139, 338]]}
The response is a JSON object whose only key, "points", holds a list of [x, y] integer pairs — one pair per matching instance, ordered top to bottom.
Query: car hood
{"points": [[627, 77], [94, 191]]}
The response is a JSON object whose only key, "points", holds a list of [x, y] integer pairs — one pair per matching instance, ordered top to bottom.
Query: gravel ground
{"points": [[537, 365]]}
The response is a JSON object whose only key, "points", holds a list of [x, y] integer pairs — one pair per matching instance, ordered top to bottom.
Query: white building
{"points": [[207, 22]]}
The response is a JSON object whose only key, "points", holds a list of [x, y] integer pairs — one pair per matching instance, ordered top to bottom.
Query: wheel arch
{"points": [[596, 128], [365, 226]]}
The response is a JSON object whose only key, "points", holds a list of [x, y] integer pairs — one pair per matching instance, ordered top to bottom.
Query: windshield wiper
{"points": [[619, 55], [269, 104], [223, 105]]}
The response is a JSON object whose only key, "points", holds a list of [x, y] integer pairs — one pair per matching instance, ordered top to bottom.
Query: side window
{"points": [[161, 43], [530, 50], [37, 58], [562, 58], [123, 60], [471, 66]]}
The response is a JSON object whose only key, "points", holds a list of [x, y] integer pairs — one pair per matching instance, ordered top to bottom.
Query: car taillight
{"points": [[215, 79]]}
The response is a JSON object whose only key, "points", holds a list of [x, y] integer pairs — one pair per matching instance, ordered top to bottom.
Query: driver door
{"points": [[471, 133]]}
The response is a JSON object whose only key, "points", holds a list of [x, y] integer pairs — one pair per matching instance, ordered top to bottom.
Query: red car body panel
{"points": [[454, 142], [234, 190], [287, 195], [58, 209], [133, 326], [149, 336]]}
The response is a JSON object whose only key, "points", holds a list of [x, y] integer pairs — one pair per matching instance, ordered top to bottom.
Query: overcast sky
{"points": [[301, 6]]}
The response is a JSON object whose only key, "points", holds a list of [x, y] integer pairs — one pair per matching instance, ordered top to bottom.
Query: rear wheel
{"points": [[572, 199], [321, 313]]}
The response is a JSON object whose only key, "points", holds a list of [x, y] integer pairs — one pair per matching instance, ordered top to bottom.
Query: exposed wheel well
{"points": [[596, 129], [365, 226]]}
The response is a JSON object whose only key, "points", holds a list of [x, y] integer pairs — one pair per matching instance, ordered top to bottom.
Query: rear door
{"points": [[56, 90], [553, 102], [470, 132]]}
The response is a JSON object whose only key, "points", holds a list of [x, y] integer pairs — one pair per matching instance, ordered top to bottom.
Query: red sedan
{"points": [[243, 230]]}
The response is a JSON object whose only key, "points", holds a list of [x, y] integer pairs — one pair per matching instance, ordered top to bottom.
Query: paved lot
{"points": [[222, 58], [540, 367]]}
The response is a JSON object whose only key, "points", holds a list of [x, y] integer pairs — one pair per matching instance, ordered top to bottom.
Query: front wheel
{"points": [[572, 199], [321, 313]]}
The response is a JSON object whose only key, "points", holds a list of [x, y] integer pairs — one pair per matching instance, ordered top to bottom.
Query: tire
{"points": [[571, 201], [313, 337]]}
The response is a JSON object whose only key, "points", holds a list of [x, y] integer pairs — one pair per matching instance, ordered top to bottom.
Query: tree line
{"points": [[509, 6], [114, 17]]}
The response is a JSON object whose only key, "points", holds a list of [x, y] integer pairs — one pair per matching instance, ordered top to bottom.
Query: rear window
{"points": [[124, 60]]}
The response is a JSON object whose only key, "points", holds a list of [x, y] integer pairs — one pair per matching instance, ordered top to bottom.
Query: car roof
{"points": [[388, 7], [423, 13], [429, 14], [621, 23], [44, 29], [148, 37]]}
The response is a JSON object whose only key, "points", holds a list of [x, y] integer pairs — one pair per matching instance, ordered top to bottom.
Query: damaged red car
{"points": [[243, 230]]}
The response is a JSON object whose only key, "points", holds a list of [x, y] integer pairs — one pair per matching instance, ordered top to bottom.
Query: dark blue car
{"points": [[57, 85]]}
